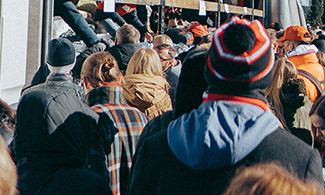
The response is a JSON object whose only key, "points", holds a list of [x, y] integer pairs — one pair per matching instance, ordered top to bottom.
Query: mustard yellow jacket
{"points": [[148, 93]]}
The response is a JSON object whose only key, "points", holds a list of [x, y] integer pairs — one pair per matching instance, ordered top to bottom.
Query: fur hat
{"points": [[61, 55], [240, 57]]}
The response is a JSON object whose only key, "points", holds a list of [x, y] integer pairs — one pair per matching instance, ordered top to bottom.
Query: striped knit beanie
{"points": [[240, 57]]}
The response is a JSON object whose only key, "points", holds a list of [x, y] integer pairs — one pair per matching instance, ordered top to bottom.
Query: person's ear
{"points": [[115, 41], [119, 78], [86, 84]]}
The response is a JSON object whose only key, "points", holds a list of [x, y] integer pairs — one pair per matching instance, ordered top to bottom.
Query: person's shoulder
{"points": [[125, 45], [133, 46], [123, 48], [198, 52], [196, 56], [72, 86], [35, 92], [46, 92], [34, 98], [130, 112], [143, 116], [156, 126], [286, 138], [284, 146], [289, 151]]}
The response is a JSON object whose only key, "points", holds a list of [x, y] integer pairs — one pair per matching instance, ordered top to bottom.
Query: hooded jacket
{"points": [[304, 58], [147, 93], [219, 134], [199, 153]]}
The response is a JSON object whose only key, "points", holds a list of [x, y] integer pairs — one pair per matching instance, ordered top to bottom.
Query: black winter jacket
{"points": [[123, 53], [156, 170]]}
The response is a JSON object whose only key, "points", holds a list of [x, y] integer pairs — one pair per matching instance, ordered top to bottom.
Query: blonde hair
{"points": [[272, 34], [162, 39], [145, 61], [99, 68], [283, 69], [8, 176], [270, 179]]}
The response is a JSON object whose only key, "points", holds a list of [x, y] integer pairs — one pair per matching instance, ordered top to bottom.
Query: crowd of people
{"points": [[237, 110]]}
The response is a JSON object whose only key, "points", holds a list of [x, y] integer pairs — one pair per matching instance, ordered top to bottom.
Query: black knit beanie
{"points": [[240, 58]]}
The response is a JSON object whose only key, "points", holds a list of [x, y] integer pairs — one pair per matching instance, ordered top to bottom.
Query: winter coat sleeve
{"points": [[101, 15], [132, 18], [83, 56], [145, 166], [313, 168]]}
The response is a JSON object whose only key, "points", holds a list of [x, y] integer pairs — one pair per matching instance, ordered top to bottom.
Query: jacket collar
{"points": [[302, 50], [59, 77], [142, 78], [112, 94], [239, 99]]}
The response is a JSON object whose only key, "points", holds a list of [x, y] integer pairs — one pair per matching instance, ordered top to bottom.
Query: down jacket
{"points": [[54, 131]]}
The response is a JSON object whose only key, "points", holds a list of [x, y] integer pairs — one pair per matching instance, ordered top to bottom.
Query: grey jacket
{"points": [[55, 130]]}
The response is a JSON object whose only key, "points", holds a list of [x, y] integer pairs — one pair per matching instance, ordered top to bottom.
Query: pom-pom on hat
{"points": [[61, 53], [240, 57]]}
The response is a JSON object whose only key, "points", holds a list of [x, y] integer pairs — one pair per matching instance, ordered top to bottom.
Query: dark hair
{"points": [[278, 26], [127, 34], [279, 34], [322, 36], [207, 38], [202, 39], [197, 40], [320, 44], [318, 108]]}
